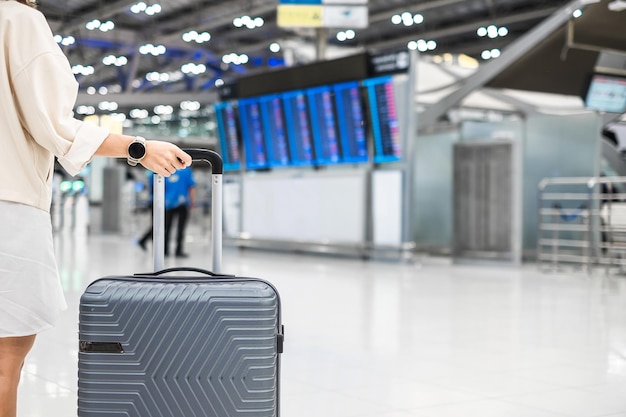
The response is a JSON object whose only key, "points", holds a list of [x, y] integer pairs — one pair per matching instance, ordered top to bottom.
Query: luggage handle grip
{"points": [[212, 157], [186, 269]]}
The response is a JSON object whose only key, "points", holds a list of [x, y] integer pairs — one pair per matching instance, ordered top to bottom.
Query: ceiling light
{"points": [[617, 5], [138, 7], [143, 7], [154, 9], [577, 13], [407, 18], [249, 22], [93, 24], [103, 26], [492, 31], [350, 34], [192, 35], [341, 36], [204, 37], [68, 40], [65, 41], [412, 45], [275, 47], [149, 49], [495, 53], [486, 54], [235, 59], [114, 60], [82, 69], [193, 69], [219, 82], [91, 90], [190, 105], [108, 106], [163, 109], [85, 110], [139, 113], [118, 117]]}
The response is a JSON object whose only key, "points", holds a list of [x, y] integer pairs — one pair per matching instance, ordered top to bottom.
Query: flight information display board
{"points": [[606, 93], [384, 119], [351, 122], [324, 125], [298, 128], [275, 132], [252, 133], [228, 135]]}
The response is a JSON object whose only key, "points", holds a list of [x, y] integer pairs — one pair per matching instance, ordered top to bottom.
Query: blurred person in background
{"points": [[180, 197]]}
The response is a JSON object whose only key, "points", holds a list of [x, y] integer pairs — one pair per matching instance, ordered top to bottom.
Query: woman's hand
{"points": [[164, 158]]}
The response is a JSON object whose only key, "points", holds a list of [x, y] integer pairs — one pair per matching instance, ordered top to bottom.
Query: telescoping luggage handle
{"points": [[217, 167]]}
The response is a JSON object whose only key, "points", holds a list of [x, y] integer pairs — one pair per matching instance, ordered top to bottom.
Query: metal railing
{"points": [[582, 221]]}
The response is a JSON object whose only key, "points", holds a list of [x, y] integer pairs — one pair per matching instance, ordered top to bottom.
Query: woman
{"points": [[37, 95]]}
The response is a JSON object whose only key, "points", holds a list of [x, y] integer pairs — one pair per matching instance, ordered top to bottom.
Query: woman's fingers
{"points": [[165, 158]]}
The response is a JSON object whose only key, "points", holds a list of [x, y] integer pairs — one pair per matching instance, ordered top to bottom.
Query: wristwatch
{"points": [[136, 151]]}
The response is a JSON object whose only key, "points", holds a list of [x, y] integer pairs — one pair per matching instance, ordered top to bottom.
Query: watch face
{"points": [[137, 150]]}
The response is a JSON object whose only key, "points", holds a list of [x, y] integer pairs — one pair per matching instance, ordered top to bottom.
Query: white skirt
{"points": [[31, 296]]}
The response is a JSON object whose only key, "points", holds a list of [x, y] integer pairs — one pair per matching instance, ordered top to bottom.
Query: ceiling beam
{"points": [[510, 55]]}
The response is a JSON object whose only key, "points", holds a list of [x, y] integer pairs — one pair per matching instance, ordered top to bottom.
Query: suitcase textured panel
{"points": [[164, 347]]}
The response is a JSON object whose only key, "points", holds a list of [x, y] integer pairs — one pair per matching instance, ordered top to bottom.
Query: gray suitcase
{"points": [[180, 342]]}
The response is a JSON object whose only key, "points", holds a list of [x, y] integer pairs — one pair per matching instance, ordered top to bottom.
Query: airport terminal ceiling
{"points": [[186, 46]]}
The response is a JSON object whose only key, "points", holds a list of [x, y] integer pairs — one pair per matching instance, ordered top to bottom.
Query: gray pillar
{"points": [[322, 40], [113, 181]]}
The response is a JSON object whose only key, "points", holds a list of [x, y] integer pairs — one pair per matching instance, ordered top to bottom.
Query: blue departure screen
{"points": [[607, 93], [384, 116], [351, 122], [324, 125], [298, 128], [275, 131], [252, 133], [228, 135]]}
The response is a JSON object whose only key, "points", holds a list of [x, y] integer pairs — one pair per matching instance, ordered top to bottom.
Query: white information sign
{"points": [[355, 17]]}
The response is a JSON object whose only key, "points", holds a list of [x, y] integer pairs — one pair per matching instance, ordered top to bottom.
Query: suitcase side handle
{"points": [[185, 269]]}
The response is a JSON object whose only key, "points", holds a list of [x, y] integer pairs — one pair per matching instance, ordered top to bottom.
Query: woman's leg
{"points": [[13, 351]]}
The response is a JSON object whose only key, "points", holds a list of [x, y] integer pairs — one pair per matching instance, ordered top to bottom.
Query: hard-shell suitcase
{"points": [[170, 345]]}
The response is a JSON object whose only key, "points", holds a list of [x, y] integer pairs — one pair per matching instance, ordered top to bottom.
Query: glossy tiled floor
{"points": [[392, 340]]}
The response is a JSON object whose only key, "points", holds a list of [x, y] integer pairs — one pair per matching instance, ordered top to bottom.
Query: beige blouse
{"points": [[38, 92]]}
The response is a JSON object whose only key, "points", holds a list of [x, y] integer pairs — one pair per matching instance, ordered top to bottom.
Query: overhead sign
{"points": [[300, 1], [344, 2], [352, 2], [323, 13], [299, 16], [355, 17], [389, 63]]}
